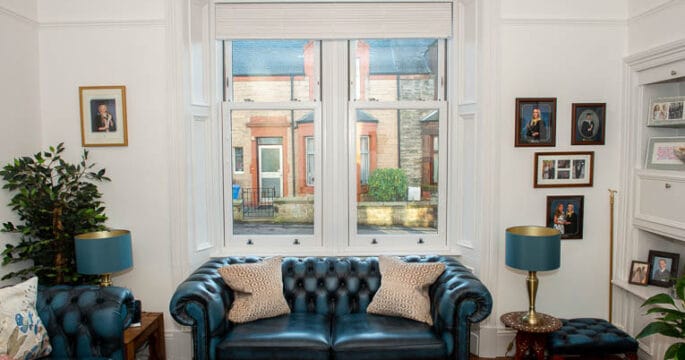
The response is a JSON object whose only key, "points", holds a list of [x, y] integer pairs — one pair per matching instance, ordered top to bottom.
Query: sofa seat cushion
{"points": [[294, 336], [367, 336]]}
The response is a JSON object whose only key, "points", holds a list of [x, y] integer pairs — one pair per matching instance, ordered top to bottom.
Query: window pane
{"points": [[396, 69], [273, 70], [310, 160], [238, 165], [273, 195], [401, 195]]}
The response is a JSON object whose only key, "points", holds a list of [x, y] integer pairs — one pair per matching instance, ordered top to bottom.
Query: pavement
{"points": [[269, 228]]}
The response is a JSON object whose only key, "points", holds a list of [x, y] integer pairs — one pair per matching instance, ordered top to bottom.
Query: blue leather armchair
{"points": [[328, 299], [85, 322]]}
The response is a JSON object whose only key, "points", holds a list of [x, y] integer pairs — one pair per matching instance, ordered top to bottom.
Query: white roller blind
{"points": [[333, 20]]}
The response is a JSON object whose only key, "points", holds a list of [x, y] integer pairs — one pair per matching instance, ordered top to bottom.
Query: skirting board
{"points": [[493, 341], [179, 345]]}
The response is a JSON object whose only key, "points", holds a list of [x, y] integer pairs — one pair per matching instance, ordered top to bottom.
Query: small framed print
{"points": [[666, 112], [103, 116], [589, 121], [535, 122], [666, 153], [563, 169], [565, 213], [664, 268], [639, 273]]}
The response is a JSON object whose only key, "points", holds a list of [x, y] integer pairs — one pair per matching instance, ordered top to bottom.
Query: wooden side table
{"points": [[151, 329], [531, 338]]}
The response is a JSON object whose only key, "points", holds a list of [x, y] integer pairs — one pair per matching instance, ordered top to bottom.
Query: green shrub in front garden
{"points": [[388, 185]]}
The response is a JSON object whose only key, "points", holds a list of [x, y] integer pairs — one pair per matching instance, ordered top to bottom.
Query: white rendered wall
{"points": [[653, 23], [88, 43], [571, 50], [19, 95]]}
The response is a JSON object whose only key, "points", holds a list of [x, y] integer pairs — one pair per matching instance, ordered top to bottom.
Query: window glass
{"points": [[396, 69], [273, 70], [364, 159], [238, 165], [401, 195], [274, 196]]}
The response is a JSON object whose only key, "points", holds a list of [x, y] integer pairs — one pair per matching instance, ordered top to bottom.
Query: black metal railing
{"points": [[258, 202]]}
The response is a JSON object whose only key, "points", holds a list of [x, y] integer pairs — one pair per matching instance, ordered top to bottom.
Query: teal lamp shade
{"points": [[533, 248], [103, 252]]}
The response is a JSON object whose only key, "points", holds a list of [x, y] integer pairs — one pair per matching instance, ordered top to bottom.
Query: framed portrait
{"points": [[666, 112], [103, 115], [589, 121], [535, 122], [666, 153], [563, 169], [565, 213], [664, 268], [639, 273]]}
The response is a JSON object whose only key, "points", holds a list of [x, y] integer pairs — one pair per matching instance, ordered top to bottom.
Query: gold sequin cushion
{"points": [[258, 289], [404, 289]]}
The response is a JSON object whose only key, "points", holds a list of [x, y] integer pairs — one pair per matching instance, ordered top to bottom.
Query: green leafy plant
{"points": [[388, 185], [54, 200], [670, 320]]}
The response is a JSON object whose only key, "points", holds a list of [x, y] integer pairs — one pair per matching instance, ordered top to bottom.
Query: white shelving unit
{"points": [[651, 212]]}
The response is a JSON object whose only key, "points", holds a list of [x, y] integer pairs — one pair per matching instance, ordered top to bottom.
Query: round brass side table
{"points": [[529, 338]]}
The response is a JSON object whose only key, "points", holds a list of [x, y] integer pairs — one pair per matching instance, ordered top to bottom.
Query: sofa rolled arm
{"points": [[459, 299], [202, 302], [85, 321]]}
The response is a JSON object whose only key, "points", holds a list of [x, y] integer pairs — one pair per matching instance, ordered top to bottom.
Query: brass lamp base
{"points": [[106, 280], [532, 317]]}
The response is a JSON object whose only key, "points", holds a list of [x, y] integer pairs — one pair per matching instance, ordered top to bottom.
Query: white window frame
{"points": [[259, 243], [402, 243]]}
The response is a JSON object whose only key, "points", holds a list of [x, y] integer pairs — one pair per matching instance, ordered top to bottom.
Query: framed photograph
{"points": [[666, 112], [103, 115], [589, 121], [535, 122], [666, 153], [563, 169], [565, 213], [664, 268], [639, 273]]}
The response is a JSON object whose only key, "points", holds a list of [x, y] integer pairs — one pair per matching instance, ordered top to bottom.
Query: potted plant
{"points": [[54, 200], [670, 320]]}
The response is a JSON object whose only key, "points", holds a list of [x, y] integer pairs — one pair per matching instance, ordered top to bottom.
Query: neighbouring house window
{"points": [[309, 140], [365, 160], [238, 165], [434, 173]]}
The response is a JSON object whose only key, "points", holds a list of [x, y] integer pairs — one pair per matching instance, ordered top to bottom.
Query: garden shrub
{"points": [[388, 185]]}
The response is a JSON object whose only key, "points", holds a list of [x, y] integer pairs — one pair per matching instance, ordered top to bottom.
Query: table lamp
{"points": [[532, 248], [103, 253]]}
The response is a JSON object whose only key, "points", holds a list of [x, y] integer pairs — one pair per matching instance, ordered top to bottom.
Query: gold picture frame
{"points": [[103, 116], [563, 169]]}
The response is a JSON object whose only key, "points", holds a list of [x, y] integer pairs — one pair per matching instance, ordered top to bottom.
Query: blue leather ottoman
{"points": [[588, 337]]}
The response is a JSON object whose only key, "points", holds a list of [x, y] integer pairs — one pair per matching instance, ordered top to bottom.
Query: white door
{"points": [[271, 168]]}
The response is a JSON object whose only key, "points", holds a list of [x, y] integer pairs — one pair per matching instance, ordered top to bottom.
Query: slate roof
{"points": [[285, 57], [362, 116]]}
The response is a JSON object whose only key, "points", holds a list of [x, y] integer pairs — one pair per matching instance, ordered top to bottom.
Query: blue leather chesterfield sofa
{"points": [[328, 320], [85, 322]]}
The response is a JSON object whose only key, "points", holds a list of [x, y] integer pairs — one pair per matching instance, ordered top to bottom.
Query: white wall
{"points": [[653, 23], [87, 43], [555, 49], [19, 95]]}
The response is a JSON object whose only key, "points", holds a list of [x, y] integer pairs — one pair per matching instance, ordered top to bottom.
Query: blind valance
{"points": [[359, 20]]}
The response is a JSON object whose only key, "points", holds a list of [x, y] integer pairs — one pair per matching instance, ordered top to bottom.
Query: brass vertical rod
{"points": [[612, 194]]}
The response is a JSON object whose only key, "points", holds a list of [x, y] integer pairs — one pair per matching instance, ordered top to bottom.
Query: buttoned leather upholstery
{"points": [[331, 288], [85, 322], [588, 336]]}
